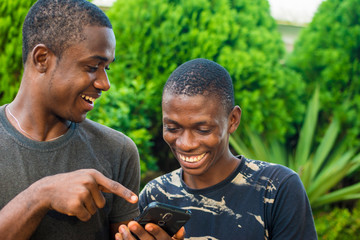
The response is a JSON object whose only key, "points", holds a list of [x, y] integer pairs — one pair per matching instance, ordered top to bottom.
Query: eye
{"points": [[92, 69], [171, 129], [204, 130]]}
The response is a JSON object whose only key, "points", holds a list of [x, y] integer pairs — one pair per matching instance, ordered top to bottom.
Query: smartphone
{"points": [[168, 217]]}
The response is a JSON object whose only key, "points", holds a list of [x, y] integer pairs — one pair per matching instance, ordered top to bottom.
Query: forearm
{"points": [[21, 216]]}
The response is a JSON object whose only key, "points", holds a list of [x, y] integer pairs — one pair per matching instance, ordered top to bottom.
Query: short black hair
{"points": [[59, 24], [202, 77]]}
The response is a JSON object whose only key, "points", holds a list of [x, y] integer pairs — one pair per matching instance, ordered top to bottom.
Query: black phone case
{"points": [[168, 217]]}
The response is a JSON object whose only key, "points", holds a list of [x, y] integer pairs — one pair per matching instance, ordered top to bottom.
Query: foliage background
{"points": [[12, 15], [154, 37], [327, 53], [338, 224]]}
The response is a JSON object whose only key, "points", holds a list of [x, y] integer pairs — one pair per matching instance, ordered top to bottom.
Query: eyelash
{"points": [[94, 69], [170, 129], [204, 131]]}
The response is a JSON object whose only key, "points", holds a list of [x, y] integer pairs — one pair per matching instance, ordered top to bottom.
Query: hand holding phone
{"points": [[168, 217]]}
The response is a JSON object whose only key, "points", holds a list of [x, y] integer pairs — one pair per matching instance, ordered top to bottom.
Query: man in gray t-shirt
{"points": [[62, 176]]}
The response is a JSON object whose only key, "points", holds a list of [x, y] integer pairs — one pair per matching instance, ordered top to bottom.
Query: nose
{"points": [[102, 81], [187, 141]]}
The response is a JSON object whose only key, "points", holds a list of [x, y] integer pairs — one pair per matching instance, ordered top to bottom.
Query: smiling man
{"points": [[63, 176], [230, 197]]}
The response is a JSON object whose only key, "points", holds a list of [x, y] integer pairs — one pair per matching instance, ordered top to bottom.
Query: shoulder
{"points": [[92, 127], [94, 130], [106, 140], [267, 169], [263, 175], [170, 179], [163, 184], [162, 188]]}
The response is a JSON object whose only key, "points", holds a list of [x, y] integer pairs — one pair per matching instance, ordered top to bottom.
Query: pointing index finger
{"points": [[111, 186]]}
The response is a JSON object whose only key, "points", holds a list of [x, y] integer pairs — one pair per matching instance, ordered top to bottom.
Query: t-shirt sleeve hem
{"points": [[131, 215]]}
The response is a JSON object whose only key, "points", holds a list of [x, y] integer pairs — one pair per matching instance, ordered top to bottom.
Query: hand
{"points": [[78, 193], [151, 232]]}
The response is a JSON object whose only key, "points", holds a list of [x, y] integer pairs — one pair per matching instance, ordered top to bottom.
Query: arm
{"points": [[76, 194], [26, 210], [292, 215]]}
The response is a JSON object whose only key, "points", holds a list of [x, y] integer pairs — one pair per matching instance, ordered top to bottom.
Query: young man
{"points": [[55, 164], [231, 197]]}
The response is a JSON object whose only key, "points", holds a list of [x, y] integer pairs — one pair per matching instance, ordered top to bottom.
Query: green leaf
{"points": [[307, 131]]}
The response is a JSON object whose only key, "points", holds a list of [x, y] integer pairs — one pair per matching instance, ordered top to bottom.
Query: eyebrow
{"points": [[104, 59], [169, 120], [175, 122]]}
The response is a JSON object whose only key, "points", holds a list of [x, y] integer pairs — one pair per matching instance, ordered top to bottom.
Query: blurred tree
{"points": [[12, 15], [154, 37], [328, 53]]}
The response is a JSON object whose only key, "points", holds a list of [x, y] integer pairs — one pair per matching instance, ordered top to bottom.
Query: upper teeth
{"points": [[91, 99], [192, 159]]}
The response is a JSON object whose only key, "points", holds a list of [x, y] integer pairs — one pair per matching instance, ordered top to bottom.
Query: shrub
{"points": [[12, 15], [154, 37], [327, 53], [340, 223]]}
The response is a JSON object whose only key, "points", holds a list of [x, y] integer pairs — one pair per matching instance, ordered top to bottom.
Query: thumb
{"points": [[180, 234]]}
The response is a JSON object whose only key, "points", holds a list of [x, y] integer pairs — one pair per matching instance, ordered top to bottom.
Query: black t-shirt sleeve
{"points": [[292, 216]]}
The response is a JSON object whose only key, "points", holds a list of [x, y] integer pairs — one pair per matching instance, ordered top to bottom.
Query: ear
{"points": [[40, 57], [234, 119]]}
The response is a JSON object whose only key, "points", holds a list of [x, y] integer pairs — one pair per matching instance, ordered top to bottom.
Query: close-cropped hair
{"points": [[59, 23], [202, 77]]}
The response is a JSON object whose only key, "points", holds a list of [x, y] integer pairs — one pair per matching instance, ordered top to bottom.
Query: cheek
{"points": [[169, 138], [214, 141]]}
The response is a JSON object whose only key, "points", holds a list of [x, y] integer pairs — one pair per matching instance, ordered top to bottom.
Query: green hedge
{"points": [[12, 15], [154, 37], [327, 52], [339, 224]]}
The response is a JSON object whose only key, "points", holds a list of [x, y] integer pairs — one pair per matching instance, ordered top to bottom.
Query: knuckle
{"points": [[114, 186], [84, 194], [101, 203], [74, 204], [84, 216]]}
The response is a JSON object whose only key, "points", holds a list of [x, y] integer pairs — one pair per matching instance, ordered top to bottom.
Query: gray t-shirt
{"points": [[85, 145]]}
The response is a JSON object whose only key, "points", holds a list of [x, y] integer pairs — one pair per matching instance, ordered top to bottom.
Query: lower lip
{"points": [[88, 106]]}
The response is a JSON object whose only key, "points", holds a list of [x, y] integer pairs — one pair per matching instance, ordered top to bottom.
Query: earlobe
{"points": [[40, 57], [234, 119]]}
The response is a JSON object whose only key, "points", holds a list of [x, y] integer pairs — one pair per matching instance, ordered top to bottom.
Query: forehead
{"points": [[97, 41], [198, 107]]}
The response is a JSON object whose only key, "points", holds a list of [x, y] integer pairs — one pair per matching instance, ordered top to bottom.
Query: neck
{"points": [[30, 127], [216, 174]]}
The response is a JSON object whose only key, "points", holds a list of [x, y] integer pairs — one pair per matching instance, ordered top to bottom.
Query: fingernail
{"points": [[134, 198], [133, 228], [121, 229], [117, 236]]}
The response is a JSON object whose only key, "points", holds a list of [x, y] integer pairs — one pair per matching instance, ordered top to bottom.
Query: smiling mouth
{"points": [[88, 98], [192, 159]]}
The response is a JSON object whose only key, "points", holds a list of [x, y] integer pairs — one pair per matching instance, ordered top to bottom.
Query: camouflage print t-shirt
{"points": [[258, 200]]}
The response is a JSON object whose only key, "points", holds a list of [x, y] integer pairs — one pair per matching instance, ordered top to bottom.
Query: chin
{"points": [[77, 119]]}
